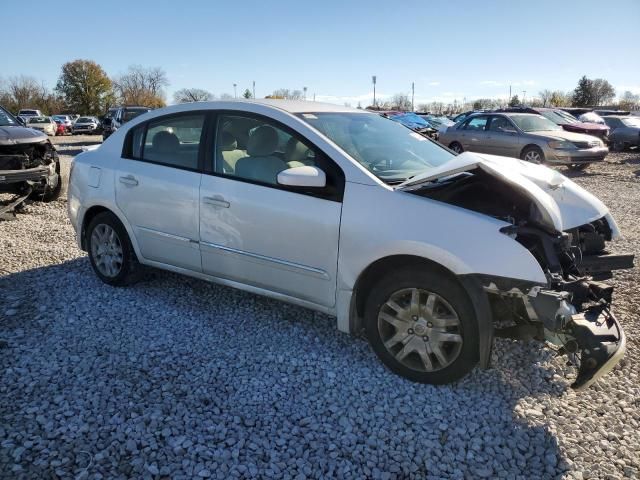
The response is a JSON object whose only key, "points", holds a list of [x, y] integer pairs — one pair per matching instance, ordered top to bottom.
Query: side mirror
{"points": [[303, 177]]}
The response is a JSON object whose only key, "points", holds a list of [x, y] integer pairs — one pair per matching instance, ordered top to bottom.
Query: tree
{"points": [[142, 86], [85, 87], [26, 92], [602, 92], [285, 93], [247, 94], [583, 94], [186, 95], [226, 96], [545, 97], [560, 99], [400, 101], [629, 101], [514, 102], [483, 104]]}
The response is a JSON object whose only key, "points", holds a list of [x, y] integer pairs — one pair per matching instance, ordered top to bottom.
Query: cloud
{"points": [[519, 83], [434, 84], [635, 89]]}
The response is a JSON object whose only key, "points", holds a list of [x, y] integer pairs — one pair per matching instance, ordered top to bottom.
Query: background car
{"points": [[121, 116], [66, 121], [567, 121], [414, 122], [44, 124], [86, 125], [61, 128], [625, 131], [526, 136]]}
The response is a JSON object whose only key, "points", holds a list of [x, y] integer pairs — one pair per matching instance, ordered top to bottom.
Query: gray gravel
{"points": [[177, 378]]}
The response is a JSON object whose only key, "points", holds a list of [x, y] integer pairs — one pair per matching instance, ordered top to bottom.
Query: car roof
{"points": [[291, 106], [621, 117]]}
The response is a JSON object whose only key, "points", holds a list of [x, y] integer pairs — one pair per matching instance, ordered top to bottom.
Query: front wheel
{"points": [[456, 147], [533, 155], [110, 250], [422, 326]]}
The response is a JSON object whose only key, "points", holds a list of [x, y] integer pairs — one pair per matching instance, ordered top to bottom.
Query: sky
{"points": [[449, 49]]}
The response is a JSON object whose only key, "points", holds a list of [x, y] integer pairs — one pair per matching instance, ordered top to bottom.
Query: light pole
{"points": [[373, 79], [254, 89], [304, 89], [413, 91], [235, 92], [524, 94]]}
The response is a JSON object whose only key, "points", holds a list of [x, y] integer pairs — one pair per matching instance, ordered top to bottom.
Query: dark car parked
{"points": [[567, 122], [625, 131], [29, 164]]}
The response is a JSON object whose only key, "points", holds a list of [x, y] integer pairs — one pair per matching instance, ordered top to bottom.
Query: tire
{"points": [[617, 146], [456, 147], [532, 154], [577, 167], [50, 193], [125, 265], [462, 354]]}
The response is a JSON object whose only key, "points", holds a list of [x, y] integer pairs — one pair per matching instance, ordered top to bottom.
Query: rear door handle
{"points": [[129, 180], [216, 201]]}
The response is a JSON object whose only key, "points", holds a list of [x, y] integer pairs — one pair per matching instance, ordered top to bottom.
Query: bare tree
{"points": [[142, 86], [602, 91], [26, 92], [186, 95], [226, 96], [545, 97], [560, 99], [629, 101]]}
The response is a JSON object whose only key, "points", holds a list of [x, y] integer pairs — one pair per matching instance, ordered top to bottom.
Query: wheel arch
{"points": [[531, 145], [96, 209], [469, 284]]}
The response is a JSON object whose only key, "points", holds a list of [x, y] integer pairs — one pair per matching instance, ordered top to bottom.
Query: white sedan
{"points": [[352, 214]]}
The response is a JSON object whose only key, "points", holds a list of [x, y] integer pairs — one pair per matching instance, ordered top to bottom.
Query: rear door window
{"points": [[476, 123]]}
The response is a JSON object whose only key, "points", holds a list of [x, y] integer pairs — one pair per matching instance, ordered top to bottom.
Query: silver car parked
{"points": [[625, 131], [526, 136]]}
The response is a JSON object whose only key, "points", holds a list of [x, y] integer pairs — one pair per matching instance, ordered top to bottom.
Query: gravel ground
{"points": [[177, 378]]}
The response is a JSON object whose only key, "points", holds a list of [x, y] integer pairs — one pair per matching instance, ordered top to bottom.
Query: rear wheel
{"points": [[456, 147], [532, 154], [110, 250], [422, 326]]}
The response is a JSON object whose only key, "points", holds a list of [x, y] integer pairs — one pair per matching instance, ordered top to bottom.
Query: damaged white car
{"points": [[352, 214]]}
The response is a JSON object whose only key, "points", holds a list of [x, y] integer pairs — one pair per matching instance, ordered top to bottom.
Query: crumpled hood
{"points": [[14, 135], [563, 204]]}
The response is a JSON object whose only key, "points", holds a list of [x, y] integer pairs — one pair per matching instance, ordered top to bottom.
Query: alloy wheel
{"points": [[533, 156], [106, 250], [420, 329]]}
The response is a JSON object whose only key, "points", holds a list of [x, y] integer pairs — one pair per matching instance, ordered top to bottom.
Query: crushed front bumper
{"points": [[35, 174]]}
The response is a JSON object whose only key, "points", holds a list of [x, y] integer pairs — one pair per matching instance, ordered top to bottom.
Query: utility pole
{"points": [[373, 79], [254, 89], [304, 89], [413, 91], [235, 92], [524, 94], [314, 97], [509, 99]]}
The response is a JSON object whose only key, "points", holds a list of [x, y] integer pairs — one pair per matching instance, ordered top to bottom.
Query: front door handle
{"points": [[129, 180], [216, 201]]}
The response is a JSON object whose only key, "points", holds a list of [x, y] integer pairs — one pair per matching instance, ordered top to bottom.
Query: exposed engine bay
{"points": [[29, 169], [573, 311]]}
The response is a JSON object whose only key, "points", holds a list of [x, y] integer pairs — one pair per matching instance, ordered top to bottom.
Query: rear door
{"points": [[473, 135], [157, 184]]}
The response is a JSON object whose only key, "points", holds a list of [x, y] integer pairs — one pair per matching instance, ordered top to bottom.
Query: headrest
{"points": [[165, 140], [263, 141], [228, 142], [295, 151]]}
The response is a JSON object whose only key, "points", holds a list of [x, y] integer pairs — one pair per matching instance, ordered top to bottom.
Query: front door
{"points": [[503, 138], [157, 188], [256, 232]]}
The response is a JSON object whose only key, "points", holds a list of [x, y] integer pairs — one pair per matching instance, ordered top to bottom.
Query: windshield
{"points": [[131, 114], [555, 117], [6, 120], [38, 120], [84, 120], [410, 120], [631, 122], [533, 123], [387, 149]]}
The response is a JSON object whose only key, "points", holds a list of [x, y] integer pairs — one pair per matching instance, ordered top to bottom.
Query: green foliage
{"points": [[85, 87], [247, 94], [514, 102]]}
